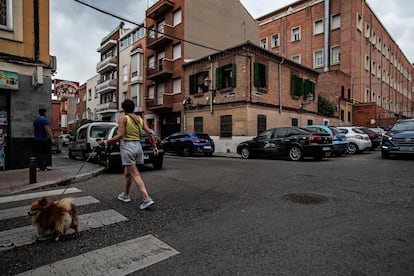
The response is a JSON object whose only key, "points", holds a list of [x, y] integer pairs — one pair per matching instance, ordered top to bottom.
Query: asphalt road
{"points": [[228, 216]]}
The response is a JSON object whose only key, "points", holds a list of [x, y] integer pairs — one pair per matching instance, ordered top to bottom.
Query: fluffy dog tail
{"points": [[66, 203]]}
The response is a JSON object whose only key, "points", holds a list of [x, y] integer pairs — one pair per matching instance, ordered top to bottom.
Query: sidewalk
{"points": [[64, 171]]}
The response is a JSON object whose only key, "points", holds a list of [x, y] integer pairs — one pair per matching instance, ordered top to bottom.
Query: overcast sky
{"points": [[76, 31]]}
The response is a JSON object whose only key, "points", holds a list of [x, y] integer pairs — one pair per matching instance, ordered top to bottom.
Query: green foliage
{"points": [[325, 107]]}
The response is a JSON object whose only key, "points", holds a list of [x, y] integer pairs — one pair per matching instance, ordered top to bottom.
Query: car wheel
{"points": [[352, 148], [186, 152], [245, 153], [295, 153], [385, 155], [157, 163]]}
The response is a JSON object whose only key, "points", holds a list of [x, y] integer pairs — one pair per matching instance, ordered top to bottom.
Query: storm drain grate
{"points": [[304, 198]]}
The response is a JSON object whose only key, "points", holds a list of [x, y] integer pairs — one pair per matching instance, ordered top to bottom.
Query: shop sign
{"points": [[9, 80], [64, 88]]}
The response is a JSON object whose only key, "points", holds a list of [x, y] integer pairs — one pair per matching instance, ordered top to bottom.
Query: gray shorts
{"points": [[131, 153]]}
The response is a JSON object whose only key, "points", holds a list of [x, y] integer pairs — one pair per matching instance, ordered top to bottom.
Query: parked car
{"points": [[378, 130], [373, 136], [65, 139], [85, 139], [399, 139], [339, 140], [358, 140], [293, 142], [189, 143], [110, 155]]}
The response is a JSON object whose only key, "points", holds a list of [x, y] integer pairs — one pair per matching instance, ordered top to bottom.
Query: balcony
{"points": [[159, 9], [159, 39], [106, 46], [107, 65], [160, 70], [107, 86], [164, 102], [106, 107]]}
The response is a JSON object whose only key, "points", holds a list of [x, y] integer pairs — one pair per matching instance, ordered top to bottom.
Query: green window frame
{"points": [[260, 75], [226, 76], [197, 83], [296, 86]]}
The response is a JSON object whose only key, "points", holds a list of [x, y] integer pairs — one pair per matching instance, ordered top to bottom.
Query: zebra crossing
{"points": [[119, 259]]}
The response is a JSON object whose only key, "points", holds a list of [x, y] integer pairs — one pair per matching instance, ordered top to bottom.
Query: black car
{"points": [[373, 136], [399, 139], [293, 142], [189, 143], [110, 156]]}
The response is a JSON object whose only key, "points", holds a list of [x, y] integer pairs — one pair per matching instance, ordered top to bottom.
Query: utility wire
{"points": [[143, 26]]}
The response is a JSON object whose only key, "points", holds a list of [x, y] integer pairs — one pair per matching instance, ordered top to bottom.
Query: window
{"points": [[5, 14], [177, 17], [335, 21], [359, 22], [318, 27], [367, 31], [296, 34], [275, 40], [263, 43], [176, 51], [336, 55], [318, 56], [296, 59], [151, 62], [367, 63], [125, 73], [260, 75], [226, 76], [197, 83], [177, 86], [296, 86], [309, 89], [89, 94], [295, 122], [310, 122], [261, 123], [198, 124], [226, 129]]}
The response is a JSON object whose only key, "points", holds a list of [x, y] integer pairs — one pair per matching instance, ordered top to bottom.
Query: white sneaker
{"points": [[124, 198], [146, 203]]}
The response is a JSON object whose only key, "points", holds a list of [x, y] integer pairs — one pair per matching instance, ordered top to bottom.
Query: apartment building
{"points": [[181, 31], [26, 67], [363, 72], [236, 94], [92, 98]]}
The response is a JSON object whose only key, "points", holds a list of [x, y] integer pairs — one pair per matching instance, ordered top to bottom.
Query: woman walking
{"points": [[129, 134]]}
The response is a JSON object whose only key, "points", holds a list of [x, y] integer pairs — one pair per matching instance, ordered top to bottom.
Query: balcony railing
{"points": [[159, 9], [161, 37], [106, 46], [106, 65], [160, 70], [107, 86], [165, 101], [105, 107]]}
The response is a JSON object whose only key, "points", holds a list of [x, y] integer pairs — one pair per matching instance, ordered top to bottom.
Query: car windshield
{"points": [[403, 126], [358, 130], [99, 131]]}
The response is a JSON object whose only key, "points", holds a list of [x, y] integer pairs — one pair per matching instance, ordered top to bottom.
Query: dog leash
{"points": [[80, 169]]}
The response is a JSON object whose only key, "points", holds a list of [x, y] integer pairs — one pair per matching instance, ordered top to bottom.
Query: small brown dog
{"points": [[55, 217]]}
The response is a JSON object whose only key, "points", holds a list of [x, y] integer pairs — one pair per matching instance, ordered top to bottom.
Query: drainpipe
{"points": [[36, 29], [326, 38], [280, 83]]}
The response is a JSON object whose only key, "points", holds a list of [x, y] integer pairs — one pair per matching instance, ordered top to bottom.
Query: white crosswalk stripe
{"points": [[22, 211], [128, 256], [118, 259]]}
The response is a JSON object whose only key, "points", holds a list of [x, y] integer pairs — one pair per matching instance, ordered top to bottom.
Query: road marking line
{"points": [[6, 199], [22, 211], [28, 234], [119, 259]]}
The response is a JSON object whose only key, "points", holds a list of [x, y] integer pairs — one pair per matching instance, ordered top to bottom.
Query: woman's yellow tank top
{"points": [[132, 131]]}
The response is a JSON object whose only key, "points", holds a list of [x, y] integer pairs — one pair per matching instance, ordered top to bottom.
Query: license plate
{"points": [[207, 147], [326, 148], [407, 148], [146, 156]]}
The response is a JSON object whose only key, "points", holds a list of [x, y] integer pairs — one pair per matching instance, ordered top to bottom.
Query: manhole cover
{"points": [[305, 198]]}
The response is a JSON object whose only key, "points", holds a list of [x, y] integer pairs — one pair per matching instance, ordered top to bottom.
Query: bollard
{"points": [[32, 169]]}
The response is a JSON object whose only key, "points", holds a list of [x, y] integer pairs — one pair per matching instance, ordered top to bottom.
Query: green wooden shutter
{"points": [[256, 74], [234, 75], [219, 78], [264, 85], [307, 88]]}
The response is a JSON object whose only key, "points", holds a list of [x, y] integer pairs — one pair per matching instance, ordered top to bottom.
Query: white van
{"points": [[86, 138]]}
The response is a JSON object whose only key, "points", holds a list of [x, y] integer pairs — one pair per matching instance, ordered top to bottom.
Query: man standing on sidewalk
{"points": [[43, 139]]}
